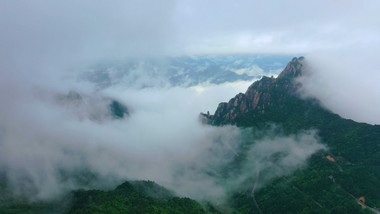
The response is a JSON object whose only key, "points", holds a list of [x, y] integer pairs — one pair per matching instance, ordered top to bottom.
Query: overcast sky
{"points": [[277, 26], [118, 28]]}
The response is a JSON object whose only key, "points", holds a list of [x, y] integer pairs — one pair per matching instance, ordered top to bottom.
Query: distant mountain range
{"points": [[184, 71]]}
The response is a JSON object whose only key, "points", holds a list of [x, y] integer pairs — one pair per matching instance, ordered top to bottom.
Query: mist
{"points": [[346, 82], [48, 148]]}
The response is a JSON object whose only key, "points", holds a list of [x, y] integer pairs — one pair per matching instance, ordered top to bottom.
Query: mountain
{"points": [[184, 71], [262, 96], [93, 107], [335, 179], [129, 197], [136, 197]]}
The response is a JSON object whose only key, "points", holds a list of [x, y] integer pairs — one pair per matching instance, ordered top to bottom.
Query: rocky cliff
{"points": [[260, 96]]}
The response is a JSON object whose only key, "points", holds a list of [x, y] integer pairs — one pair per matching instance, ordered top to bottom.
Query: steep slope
{"points": [[262, 96], [276, 100], [352, 169]]}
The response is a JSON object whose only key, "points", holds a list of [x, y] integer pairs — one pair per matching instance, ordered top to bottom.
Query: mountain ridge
{"points": [[259, 95], [354, 173]]}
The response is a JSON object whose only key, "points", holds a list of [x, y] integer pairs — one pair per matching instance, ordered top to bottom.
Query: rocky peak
{"points": [[294, 69], [260, 96]]}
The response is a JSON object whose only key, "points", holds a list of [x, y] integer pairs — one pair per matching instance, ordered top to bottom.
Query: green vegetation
{"points": [[356, 146], [325, 186], [311, 190], [129, 197]]}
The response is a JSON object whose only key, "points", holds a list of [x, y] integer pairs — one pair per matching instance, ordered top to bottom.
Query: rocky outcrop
{"points": [[294, 69], [261, 95]]}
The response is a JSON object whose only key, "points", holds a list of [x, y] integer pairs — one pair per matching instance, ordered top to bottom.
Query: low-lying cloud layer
{"points": [[48, 148]]}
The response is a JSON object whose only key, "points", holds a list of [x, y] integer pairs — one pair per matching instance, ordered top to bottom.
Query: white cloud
{"points": [[277, 26], [60, 33], [253, 70], [346, 82], [46, 150]]}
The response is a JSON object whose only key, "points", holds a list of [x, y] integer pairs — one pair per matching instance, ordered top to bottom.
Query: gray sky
{"points": [[278, 26], [123, 28]]}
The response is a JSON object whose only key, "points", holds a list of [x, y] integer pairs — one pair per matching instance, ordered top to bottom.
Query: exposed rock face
{"points": [[294, 69], [260, 96]]}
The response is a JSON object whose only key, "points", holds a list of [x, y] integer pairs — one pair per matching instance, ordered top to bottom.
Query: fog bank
{"points": [[346, 82], [48, 148]]}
